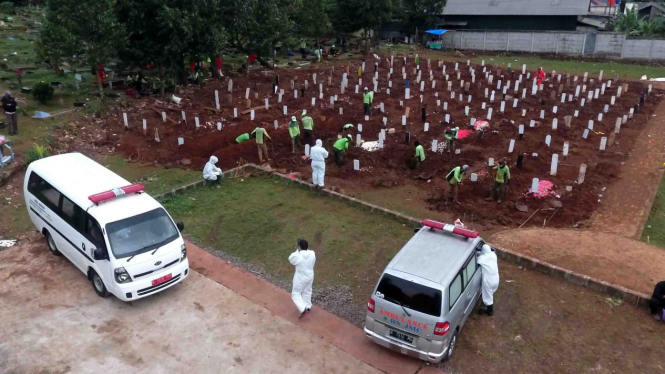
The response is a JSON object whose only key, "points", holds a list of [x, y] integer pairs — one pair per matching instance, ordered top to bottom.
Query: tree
{"points": [[420, 14], [366, 15], [633, 25], [256, 26], [85, 28], [170, 32]]}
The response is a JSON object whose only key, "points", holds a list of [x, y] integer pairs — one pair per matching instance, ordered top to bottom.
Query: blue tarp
{"points": [[436, 32]]}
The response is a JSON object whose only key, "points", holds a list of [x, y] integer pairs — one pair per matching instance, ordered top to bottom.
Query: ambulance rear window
{"points": [[411, 295]]}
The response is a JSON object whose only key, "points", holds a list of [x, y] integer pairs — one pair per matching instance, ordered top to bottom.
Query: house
{"points": [[520, 15]]}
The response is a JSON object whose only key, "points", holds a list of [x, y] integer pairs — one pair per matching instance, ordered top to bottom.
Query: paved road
{"points": [[53, 322]]}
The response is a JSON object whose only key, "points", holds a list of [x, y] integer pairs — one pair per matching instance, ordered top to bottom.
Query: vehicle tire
{"points": [[51, 245], [98, 285], [451, 347]]}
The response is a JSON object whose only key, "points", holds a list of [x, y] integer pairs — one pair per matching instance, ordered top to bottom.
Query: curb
{"points": [[628, 296]]}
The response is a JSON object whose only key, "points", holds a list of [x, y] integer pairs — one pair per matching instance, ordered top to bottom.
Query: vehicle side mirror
{"points": [[180, 225], [415, 231], [99, 254]]}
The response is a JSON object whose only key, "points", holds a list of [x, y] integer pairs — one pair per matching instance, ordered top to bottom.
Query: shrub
{"points": [[7, 8], [43, 92], [35, 153]]}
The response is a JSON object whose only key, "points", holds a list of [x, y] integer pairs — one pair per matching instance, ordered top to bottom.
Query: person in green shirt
{"points": [[368, 98], [308, 126], [294, 131], [260, 133], [450, 135], [340, 147], [420, 155], [454, 178], [500, 182]]}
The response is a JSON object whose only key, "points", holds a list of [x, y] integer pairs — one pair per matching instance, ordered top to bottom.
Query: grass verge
{"points": [[258, 221], [654, 229]]}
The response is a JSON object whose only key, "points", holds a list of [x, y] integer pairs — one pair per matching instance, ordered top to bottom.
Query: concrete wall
{"points": [[606, 44]]}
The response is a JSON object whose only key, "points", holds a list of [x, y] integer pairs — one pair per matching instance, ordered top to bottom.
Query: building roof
{"points": [[517, 7]]}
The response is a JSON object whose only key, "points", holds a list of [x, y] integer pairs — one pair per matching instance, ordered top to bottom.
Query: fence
{"points": [[606, 44]]}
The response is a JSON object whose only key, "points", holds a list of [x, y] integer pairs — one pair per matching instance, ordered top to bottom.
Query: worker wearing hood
{"points": [[318, 154], [212, 172], [303, 259], [490, 272]]}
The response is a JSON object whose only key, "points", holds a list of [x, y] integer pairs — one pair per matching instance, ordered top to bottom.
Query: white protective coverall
{"points": [[318, 155], [210, 171], [490, 272], [301, 294]]}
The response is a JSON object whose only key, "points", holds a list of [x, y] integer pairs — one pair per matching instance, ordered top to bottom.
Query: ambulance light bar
{"points": [[112, 194], [471, 234]]}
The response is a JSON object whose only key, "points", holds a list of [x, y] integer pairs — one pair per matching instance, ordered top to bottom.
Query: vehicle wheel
{"points": [[51, 245], [98, 285], [451, 347]]}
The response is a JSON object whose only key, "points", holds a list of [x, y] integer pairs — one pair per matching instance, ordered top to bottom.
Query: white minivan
{"points": [[114, 232]]}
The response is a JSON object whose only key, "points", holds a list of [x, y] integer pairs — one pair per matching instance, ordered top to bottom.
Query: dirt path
{"points": [[626, 204], [612, 258], [53, 322]]}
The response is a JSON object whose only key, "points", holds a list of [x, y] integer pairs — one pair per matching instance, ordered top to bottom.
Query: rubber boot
{"points": [[490, 310]]}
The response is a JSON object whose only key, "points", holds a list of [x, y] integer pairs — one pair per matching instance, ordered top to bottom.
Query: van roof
{"points": [[78, 177], [434, 255]]}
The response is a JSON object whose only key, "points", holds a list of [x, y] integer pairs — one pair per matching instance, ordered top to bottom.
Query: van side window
{"points": [[44, 191], [71, 212], [93, 232], [470, 269], [455, 289]]}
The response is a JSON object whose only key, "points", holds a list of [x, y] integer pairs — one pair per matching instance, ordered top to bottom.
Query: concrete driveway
{"points": [[53, 322]]}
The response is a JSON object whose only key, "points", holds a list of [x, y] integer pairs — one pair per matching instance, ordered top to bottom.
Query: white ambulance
{"points": [[114, 232]]}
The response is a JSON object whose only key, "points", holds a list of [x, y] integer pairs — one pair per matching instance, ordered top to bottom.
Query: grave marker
{"points": [[603, 143], [511, 146], [565, 148], [555, 161], [534, 185]]}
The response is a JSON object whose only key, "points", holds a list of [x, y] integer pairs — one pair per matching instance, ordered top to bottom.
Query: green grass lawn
{"points": [[156, 179], [258, 220], [654, 229]]}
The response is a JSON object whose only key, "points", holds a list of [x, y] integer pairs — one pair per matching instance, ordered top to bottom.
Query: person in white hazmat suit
{"points": [[318, 154], [212, 172], [303, 259], [490, 272]]}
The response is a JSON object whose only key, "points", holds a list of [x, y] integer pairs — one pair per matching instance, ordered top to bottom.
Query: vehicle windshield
{"points": [[141, 233], [410, 295]]}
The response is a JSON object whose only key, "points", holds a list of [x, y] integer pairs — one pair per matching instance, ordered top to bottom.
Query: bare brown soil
{"points": [[388, 167], [615, 259], [546, 325]]}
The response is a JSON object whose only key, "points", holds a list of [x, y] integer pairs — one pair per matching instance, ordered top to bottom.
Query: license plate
{"points": [[161, 280], [401, 336]]}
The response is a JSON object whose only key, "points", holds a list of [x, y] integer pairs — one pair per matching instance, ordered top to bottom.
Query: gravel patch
{"points": [[335, 299]]}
